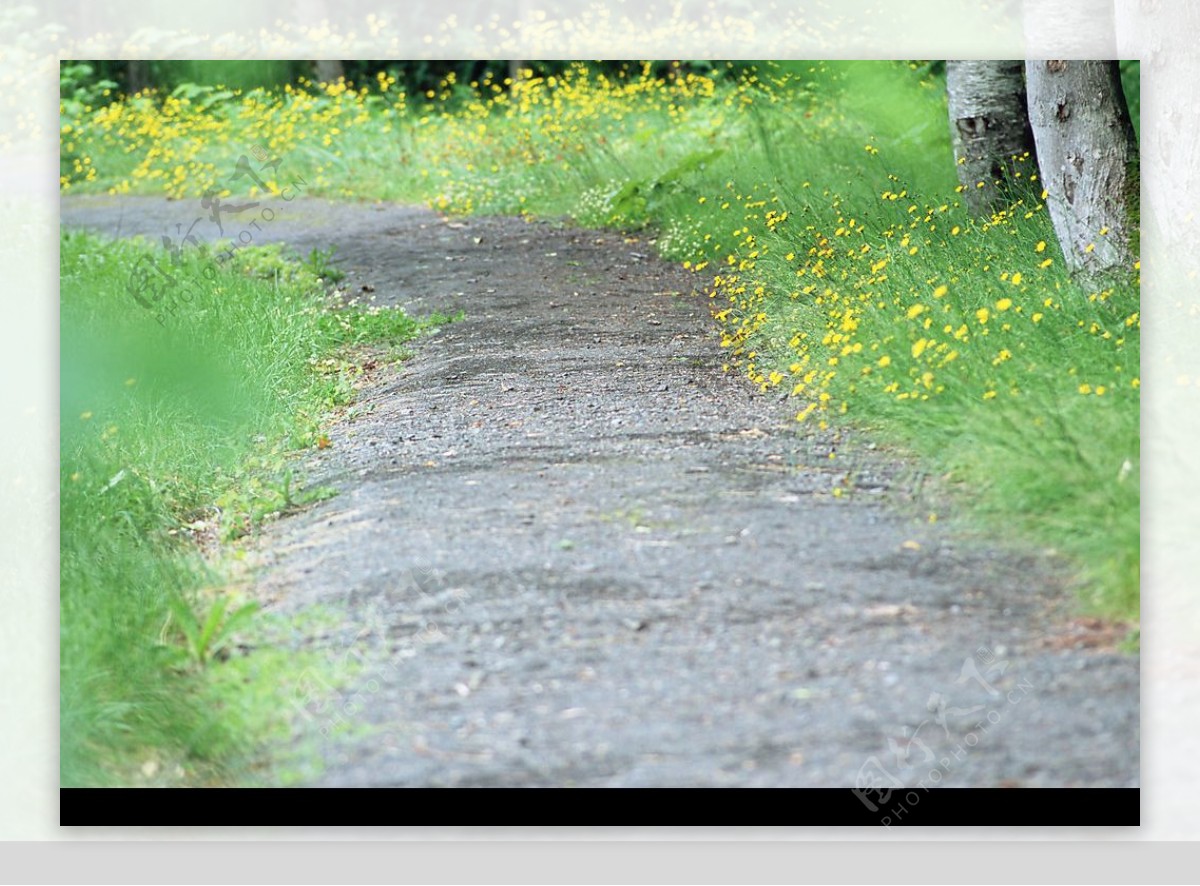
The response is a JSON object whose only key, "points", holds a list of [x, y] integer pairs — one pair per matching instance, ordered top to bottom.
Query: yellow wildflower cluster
{"points": [[461, 141], [186, 144], [826, 294], [863, 313]]}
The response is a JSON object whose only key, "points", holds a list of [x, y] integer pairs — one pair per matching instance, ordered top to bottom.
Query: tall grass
{"points": [[817, 203], [176, 434]]}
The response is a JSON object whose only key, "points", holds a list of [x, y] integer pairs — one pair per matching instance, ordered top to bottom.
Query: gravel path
{"points": [[569, 550]]}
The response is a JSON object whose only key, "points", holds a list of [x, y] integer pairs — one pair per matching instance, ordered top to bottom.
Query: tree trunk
{"points": [[1077, 29], [1164, 37], [328, 70], [137, 76], [989, 127], [1089, 162]]}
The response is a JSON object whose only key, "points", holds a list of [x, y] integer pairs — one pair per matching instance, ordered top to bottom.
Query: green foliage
{"points": [[241, 75], [78, 87], [79, 91], [201, 97], [632, 204], [272, 262], [320, 264], [356, 324], [175, 435], [206, 636]]}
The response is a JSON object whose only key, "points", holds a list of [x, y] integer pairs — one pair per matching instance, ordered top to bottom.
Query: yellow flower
{"points": [[1041, 247], [1016, 279], [940, 291], [1004, 304], [915, 311], [983, 314], [919, 346], [885, 360], [1085, 389]]}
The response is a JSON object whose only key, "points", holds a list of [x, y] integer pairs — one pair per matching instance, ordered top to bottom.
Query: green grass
{"points": [[817, 202], [177, 433]]}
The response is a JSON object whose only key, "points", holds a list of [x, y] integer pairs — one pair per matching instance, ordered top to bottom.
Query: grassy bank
{"points": [[816, 202], [179, 427]]}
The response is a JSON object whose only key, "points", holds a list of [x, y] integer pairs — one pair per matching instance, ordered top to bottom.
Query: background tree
{"points": [[328, 70], [137, 74], [989, 126], [1088, 156]]}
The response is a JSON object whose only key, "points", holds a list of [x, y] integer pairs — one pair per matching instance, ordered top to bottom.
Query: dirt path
{"points": [[569, 550]]}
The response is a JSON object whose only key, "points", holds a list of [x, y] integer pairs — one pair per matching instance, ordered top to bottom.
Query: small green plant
{"points": [[270, 262], [320, 263], [354, 325], [285, 489], [290, 496], [204, 639]]}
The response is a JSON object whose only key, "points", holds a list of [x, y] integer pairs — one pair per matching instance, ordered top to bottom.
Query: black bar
{"points": [[1032, 807]]}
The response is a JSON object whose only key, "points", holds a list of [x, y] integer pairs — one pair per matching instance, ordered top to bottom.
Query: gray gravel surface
{"points": [[569, 550]]}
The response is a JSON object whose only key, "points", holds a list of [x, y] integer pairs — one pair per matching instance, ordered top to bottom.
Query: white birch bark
{"points": [[1072, 28], [989, 128], [1089, 162]]}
